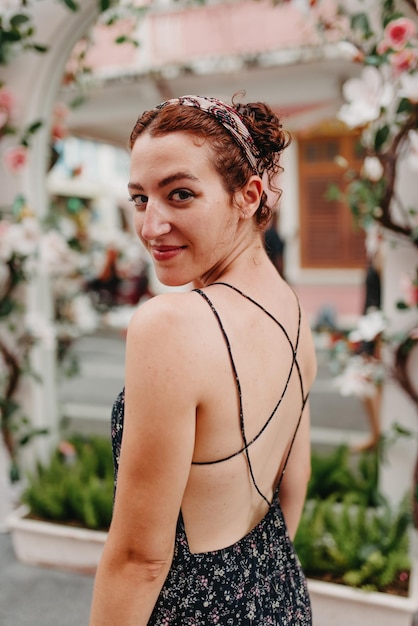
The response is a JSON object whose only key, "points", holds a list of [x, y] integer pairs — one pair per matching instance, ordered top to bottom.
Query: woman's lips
{"points": [[164, 253]]}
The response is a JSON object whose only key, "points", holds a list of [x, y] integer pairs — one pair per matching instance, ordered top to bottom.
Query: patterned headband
{"points": [[229, 119]]}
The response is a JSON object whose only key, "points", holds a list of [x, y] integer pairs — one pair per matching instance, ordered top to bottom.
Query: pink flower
{"points": [[398, 33], [382, 47], [404, 60], [7, 99], [61, 111], [58, 131], [15, 158], [410, 291], [66, 448], [68, 452]]}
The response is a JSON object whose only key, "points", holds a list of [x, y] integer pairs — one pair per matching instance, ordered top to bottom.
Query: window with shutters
{"points": [[329, 237]]}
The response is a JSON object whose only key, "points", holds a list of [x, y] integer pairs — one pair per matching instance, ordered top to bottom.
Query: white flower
{"points": [[349, 51], [409, 86], [366, 96], [412, 158], [341, 162], [372, 169], [68, 228], [23, 237], [373, 239], [57, 256], [84, 316], [368, 327], [40, 329], [360, 378]]}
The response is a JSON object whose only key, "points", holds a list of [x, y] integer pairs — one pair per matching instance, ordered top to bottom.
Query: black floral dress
{"points": [[256, 581]]}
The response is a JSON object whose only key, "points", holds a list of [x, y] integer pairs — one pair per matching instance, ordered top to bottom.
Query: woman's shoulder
{"points": [[166, 314], [167, 330]]}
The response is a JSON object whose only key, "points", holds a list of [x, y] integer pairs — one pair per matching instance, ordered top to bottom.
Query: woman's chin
{"points": [[173, 281]]}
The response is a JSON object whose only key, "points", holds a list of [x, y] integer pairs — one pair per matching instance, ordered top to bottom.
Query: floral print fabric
{"points": [[257, 581]]}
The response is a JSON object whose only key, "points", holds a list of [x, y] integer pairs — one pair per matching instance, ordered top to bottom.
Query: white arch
{"points": [[35, 79]]}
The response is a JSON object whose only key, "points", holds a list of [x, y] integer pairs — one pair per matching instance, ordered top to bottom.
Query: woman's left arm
{"points": [[156, 453], [296, 478]]}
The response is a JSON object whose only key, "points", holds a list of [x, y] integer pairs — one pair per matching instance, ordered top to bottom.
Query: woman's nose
{"points": [[155, 223]]}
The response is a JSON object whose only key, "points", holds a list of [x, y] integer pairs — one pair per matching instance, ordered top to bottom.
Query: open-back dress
{"points": [[258, 580]]}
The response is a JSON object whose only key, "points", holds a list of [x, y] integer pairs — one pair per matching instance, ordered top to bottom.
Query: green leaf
{"points": [[104, 5], [388, 5], [73, 6], [394, 15], [18, 19], [360, 21], [11, 36], [125, 39], [40, 47], [373, 59], [405, 106], [34, 127], [8, 130], [29, 131], [381, 137], [333, 193], [18, 204], [401, 305], [6, 307], [8, 407], [401, 430], [25, 439], [14, 472]]}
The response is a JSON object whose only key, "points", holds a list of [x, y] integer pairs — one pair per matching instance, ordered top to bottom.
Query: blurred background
{"points": [[74, 78]]}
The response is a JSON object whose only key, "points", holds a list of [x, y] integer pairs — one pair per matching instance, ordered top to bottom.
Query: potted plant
{"points": [[67, 507], [355, 549]]}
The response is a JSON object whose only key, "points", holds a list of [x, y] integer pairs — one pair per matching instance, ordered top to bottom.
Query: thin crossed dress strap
{"points": [[294, 363]]}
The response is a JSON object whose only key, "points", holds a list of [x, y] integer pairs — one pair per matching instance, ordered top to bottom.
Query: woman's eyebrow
{"points": [[174, 177], [168, 180], [135, 186]]}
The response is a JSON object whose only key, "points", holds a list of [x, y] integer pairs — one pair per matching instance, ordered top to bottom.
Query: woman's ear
{"points": [[248, 198]]}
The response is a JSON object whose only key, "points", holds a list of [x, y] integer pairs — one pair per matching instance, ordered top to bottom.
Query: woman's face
{"points": [[183, 215]]}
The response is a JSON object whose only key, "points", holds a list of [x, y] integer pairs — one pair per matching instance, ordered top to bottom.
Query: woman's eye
{"points": [[181, 195], [139, 200]]}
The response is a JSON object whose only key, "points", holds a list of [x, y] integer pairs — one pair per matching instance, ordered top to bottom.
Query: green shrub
{"points": [[335, 475], [76, 487], [348, 532], [358, 545]]}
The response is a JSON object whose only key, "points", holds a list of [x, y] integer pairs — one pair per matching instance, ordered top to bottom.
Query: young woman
{"points": [[215, 458]]}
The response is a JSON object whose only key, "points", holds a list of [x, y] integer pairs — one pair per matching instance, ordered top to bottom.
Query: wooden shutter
{"points": [[329, 237]]}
